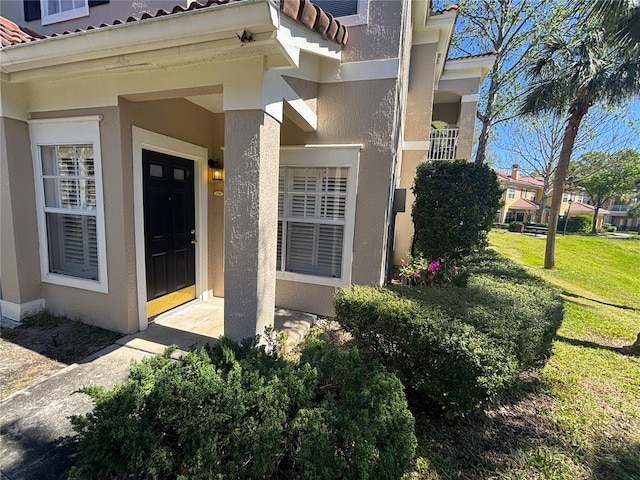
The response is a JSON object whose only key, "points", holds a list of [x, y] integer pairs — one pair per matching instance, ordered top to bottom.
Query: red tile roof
{"points": [[302, 11], [12, 34], [535, 181], [524, 204], [579, 207]]}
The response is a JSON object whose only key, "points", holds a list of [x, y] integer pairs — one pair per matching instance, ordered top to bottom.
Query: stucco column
{"points": [[466, 126], [252, 148], [19, 249]]}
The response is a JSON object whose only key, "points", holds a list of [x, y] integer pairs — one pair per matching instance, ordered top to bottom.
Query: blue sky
{"points": [[503, 159]]}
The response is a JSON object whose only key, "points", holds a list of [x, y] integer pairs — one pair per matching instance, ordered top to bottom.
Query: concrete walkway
{"points": [[37, 439]]}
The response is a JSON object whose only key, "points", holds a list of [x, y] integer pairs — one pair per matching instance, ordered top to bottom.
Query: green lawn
{"points": [[580, 417]]}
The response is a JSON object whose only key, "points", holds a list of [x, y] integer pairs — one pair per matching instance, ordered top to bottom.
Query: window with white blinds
{"points": [[67, 168], [68, 178], [311, 213], [316, 213]]}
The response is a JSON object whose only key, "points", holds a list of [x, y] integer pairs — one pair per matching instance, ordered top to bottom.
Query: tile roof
{"points": [[302, 11], [12, 34], [535, 181], [524, 204], [579, 207]]}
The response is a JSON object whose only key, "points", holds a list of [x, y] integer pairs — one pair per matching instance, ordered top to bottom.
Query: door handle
{"points": [[193, 231], [194, 241]]}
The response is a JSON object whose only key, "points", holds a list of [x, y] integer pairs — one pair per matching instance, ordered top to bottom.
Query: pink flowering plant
{"points": [[420, 271]]}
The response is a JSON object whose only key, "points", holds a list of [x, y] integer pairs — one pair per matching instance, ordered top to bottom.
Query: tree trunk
{"points": [[578, 110], [487, 120], [540, 212], [594, 228], [633, 349]]}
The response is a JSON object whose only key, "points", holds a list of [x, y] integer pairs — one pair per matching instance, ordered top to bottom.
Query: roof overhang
{"points": [[190, 37], [468, 67]]}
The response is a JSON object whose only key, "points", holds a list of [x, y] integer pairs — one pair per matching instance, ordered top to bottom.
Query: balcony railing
{"points": [[444, 143], [617, 207]]}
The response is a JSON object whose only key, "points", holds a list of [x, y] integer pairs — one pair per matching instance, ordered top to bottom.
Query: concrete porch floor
{"points": [[198, 323]]}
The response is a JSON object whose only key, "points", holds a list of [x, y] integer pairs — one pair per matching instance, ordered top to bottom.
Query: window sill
{"points": [[312, 279], [75, 282]]}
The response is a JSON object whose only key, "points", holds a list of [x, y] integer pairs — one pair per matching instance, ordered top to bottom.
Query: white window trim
{"points": [[62, 16], [360, 18], [61, 131], [344, 156], [511, 193]]}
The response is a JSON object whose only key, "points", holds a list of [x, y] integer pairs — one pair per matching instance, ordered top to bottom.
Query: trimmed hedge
{"points": [[576, 223], [460, 346], [233, 411]]}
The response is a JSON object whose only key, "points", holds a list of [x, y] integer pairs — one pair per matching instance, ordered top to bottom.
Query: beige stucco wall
{"points": [[115, 9], [380, 37], [460, 86], [420, 94], [352, 112], [446, 112], [182, 120], [19, 246], [116, 309]]}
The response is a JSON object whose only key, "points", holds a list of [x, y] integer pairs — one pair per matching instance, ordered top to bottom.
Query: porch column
{"points": [[467, 123], [252, 149]]}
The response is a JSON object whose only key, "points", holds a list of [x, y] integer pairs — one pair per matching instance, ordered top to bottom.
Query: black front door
{"points": [[169, 230]]}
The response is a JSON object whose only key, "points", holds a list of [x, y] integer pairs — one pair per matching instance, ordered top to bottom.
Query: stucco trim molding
{"points": [[358, 71], [472, 97], [416, 145], [18, 311]]}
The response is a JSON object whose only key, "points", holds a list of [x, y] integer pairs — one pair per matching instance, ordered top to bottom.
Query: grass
{"points": [[579, 418]]}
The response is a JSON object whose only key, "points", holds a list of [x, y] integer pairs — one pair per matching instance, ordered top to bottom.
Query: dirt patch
{"points": [[43, 345]]}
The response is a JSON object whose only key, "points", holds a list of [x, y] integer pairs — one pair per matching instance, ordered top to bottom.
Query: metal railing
{"points": [[444, 143]]}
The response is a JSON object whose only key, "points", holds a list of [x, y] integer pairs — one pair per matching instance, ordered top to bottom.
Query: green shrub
{"points": [[447, 224], [576, 224], [514, 226], [458, 346], [233, 411]]}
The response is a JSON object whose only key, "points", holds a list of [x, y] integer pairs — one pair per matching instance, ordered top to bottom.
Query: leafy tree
{"points": [[511, 28], [573, 74], [535, 142], [606, 177], [455, 204], [634, 210]]}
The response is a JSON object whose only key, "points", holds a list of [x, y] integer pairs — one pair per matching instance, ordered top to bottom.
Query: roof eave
{"points": [[114, 42]]}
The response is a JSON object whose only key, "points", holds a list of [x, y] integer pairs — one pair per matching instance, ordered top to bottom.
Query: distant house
{"points": [[160, 152], [523, 197], [618, 213]]}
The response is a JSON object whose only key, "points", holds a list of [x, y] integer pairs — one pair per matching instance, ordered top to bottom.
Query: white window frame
{"points": [[360, 18], [48, 19], [66, 131], [314, 156], [511, 193], [523, 193], [532, 195]]}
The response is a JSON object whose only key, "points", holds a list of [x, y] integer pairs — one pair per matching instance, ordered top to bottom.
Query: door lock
{"points": [[194, 241]]}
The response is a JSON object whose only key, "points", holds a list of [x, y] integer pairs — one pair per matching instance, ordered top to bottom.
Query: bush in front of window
{"points": [[455, 204], [460, 347], [233, 411]]}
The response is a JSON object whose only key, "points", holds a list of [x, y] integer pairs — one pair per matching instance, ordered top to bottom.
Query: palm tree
{"points": [[572, 74]]}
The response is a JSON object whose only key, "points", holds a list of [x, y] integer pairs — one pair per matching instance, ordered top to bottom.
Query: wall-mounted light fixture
{"points": [[216, 169]]}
